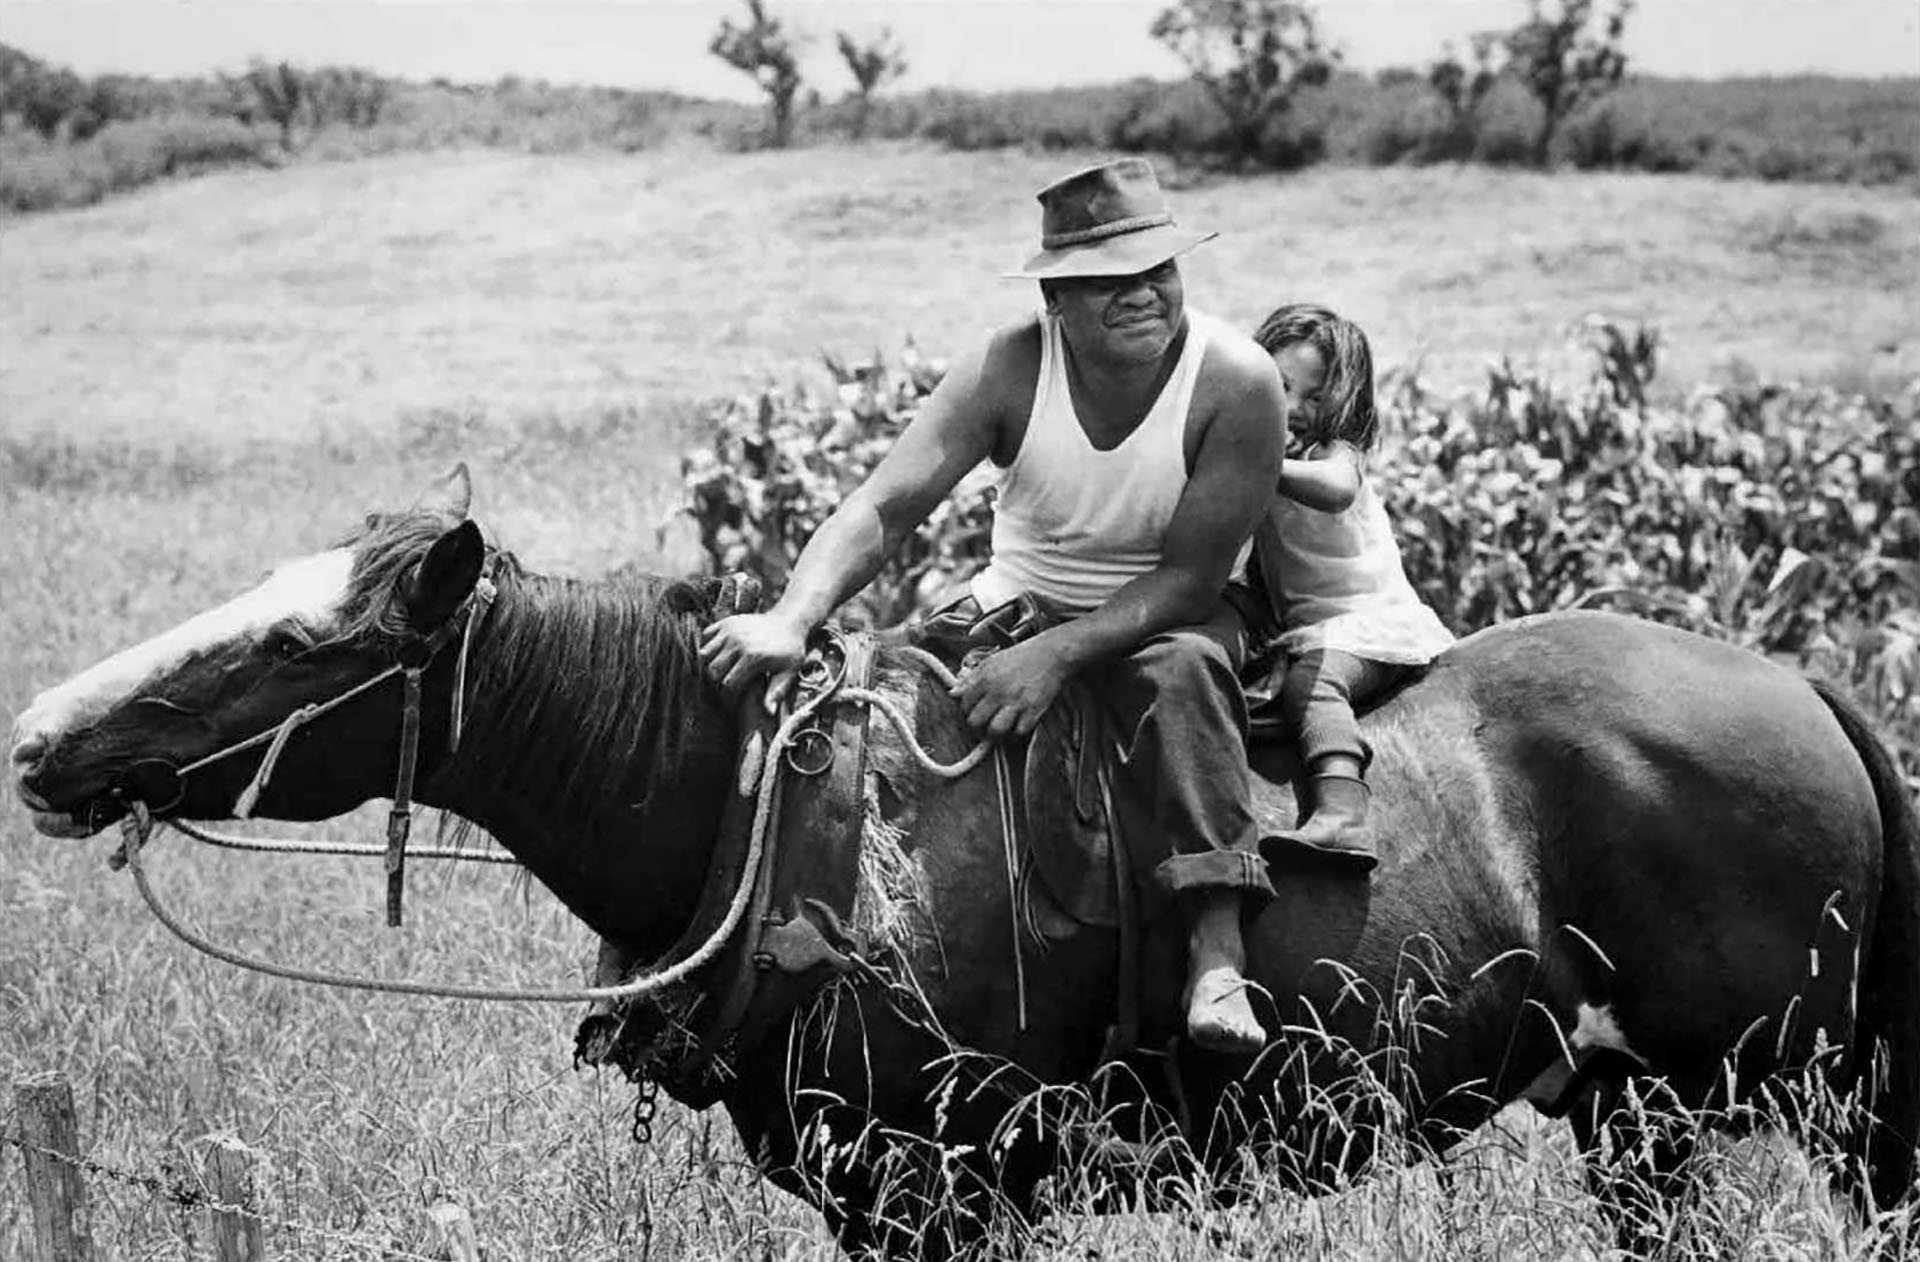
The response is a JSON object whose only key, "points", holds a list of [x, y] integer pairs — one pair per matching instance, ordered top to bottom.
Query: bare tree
{"points": [[764, 49], [1566, 53], [1251, 56], [873, 65], [277, 93], [41, 95]]}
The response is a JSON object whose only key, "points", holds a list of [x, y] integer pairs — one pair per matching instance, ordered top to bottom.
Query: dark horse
{"points": [[1621, 863]]}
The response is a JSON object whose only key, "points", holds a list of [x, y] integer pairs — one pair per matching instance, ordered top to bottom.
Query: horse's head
{"points": [[159, 722]]}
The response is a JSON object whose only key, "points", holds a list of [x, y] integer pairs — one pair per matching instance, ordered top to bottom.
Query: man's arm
{"points": [[954, 431], [1233, 475]]}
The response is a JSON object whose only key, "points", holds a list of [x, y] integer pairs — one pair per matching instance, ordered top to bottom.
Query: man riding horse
{"points": [[1137, 441]]}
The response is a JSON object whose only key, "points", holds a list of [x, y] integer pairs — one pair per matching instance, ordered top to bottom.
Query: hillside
{"points": [[340, 299]]}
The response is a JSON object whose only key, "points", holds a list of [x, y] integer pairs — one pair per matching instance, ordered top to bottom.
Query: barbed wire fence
{"points": [[42, 1128]]}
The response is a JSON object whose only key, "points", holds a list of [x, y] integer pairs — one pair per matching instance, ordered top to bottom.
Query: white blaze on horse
{"points": [[278, 614], [1619, 861]]}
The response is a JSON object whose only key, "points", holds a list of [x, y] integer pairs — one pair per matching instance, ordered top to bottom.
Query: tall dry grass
{"points": [[368, 1111]]}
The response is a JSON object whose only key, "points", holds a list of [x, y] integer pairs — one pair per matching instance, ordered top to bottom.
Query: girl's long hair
{"points": [[1347, 409]]}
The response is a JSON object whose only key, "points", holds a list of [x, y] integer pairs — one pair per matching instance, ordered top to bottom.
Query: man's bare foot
{"points": [[1219, 1016]]}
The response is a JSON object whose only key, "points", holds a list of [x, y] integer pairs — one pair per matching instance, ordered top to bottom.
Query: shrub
{"points": [[1057, 118], [1176, 119], [1406, 123], [1505, 128], [1800, 128], [1624, 132], [1290, 141], [136, 153], [1889, 163], [43, 176], [778, 463]]}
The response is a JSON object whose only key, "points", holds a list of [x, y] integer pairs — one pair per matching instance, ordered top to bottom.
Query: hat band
{"points": [[1060, 240]]}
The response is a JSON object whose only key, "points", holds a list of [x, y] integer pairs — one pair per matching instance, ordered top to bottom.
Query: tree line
{"points": [[1253, 58], [1264, 89], [56, 103]]}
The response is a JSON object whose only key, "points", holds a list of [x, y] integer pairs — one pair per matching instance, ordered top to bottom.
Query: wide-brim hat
{"points": [[1109, 220]]}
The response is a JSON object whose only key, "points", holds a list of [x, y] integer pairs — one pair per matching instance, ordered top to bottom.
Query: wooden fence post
{"points": [[55, 1188], [455, 1229], [236, 1232]]}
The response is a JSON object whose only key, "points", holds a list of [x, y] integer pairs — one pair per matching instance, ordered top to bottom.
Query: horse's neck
{"points": [[566, 761]]}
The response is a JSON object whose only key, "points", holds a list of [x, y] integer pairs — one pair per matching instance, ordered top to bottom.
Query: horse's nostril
{"points": [[28, 752]]}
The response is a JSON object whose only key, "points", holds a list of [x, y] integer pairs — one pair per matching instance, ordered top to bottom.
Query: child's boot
{"points": [[1338, 825]]}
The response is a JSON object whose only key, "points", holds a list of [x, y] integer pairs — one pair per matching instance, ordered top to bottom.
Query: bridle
{"points": [[411, 664], [761, 771]]}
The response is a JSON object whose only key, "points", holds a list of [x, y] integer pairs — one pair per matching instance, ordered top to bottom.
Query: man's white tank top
{"points": [[1073, 524]]}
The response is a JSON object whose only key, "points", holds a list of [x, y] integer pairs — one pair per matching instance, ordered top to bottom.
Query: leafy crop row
{"points": [[1780, 517]]}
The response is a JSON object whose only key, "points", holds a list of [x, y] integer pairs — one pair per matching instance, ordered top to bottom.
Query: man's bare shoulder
{"points": [[1014, 346], [1236, 358], [1003, 370], [1238, 380]]}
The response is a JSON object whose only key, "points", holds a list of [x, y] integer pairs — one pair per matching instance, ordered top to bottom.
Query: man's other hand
{"points": [[1008, 691]]}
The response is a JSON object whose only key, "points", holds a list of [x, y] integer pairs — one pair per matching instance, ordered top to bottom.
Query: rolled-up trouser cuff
{"points": [[1234, 871]]}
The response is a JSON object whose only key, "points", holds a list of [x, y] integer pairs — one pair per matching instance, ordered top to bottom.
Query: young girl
{"points": [[1329, 589]]}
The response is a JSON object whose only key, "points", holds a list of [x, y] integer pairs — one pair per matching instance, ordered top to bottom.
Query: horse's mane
{"points": [[584, 693]]}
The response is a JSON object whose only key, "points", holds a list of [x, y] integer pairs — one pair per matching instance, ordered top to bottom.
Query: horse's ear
{"points": [[451, 493], [445, 577]]}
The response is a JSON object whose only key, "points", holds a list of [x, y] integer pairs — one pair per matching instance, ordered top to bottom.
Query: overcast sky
{"points": [[966, 43]]}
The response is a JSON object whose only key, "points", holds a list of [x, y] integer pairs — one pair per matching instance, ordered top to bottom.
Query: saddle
{"points": [[799, 931]]}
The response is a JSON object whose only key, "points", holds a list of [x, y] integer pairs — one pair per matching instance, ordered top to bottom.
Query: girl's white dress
{"points": [[1339, 583]]}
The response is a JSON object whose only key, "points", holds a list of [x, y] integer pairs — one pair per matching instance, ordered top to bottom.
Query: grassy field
{"points": [[327, 301], [203, 377]]}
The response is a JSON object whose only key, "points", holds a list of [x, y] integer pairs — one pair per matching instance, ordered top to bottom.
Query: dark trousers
{"points": [[1317, 699], [1180, 718]]}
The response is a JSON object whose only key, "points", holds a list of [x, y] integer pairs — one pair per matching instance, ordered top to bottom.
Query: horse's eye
{"points": [[282, 644]]}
